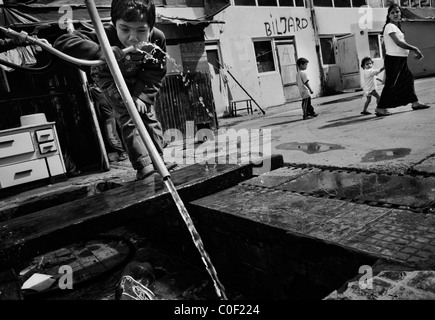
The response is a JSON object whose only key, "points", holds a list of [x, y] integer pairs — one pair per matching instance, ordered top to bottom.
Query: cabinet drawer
{"points": [[44, 135], [15, 144], [47, 147], [55, 165], [23, 172]]}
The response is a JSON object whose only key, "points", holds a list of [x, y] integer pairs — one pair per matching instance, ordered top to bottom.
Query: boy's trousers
{"points": [[307, 108], [108, 122], [137, 152]]}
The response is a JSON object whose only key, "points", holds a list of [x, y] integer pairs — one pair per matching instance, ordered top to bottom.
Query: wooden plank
{"points": [[50, 228]]}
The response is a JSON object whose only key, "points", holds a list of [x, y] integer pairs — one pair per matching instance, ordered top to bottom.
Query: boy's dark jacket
{"points": [[6, 45], [143, 78]]}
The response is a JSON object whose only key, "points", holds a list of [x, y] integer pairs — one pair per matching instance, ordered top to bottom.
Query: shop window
{"points": [[245, 3], [267, 3], [286, 3], [300, 3], [322, 3], [341, 3], [358, 3], [388, 3], [404, 3], [425, 3], [374, 45], [327, 48], [264, 56], [213, 60], [174, 63]]}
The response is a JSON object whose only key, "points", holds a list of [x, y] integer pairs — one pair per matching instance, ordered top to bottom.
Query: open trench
{"points": [[292, 233]]}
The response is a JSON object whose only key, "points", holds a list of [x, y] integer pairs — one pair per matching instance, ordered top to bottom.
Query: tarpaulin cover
{"points": [[47, 11], [50, 11], [418, 14]]}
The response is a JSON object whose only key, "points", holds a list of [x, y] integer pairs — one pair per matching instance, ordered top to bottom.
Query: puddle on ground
{"points": [[310, 147], [385, 154]]}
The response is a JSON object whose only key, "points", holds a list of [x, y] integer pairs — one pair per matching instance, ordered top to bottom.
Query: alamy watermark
{"points": [[67, 15], [365, 22], [242, 146], [66, 280], [366, 280]]}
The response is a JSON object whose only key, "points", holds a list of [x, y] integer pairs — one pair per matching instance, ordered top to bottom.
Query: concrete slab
{"points": [[427, 166], [408, 191], [396, 235], [390, 285]]}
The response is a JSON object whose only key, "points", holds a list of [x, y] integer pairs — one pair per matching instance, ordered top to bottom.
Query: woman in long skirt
{"points": [[399, 82]]}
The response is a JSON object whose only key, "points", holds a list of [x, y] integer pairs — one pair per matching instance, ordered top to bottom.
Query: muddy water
{"points": [[309, 147], [176, 278]]}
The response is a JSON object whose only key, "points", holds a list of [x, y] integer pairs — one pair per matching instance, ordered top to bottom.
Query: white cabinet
{"points": [[29, 153]]}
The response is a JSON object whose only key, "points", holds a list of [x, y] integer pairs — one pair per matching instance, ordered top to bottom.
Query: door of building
{"points": [[286, 54], [347, 60], [219, 85]]}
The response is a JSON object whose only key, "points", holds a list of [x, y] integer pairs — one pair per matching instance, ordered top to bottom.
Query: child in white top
{"points": [[369, 85], [305, 89]]}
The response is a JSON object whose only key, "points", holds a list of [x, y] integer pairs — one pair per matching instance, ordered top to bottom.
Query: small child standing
{"points": [[369, 85], [304, 87]]}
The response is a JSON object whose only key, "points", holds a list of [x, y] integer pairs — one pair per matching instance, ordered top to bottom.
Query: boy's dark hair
{"points": [[134, 10], [301, 61], [364, 61]]}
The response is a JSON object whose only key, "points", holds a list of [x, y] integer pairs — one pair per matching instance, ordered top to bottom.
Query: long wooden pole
{"points": [[84, 81], [242, 88], [123, 89], [91, 106], [157, 160]]}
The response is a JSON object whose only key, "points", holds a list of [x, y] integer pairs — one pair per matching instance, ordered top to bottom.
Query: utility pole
{"points": [[317, 41]]}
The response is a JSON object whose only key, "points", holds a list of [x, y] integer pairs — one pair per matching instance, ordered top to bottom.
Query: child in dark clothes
{"points": [[132, 24]]}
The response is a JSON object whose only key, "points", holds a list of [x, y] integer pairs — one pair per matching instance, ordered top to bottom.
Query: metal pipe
{"points": [[46, 46], [123, 89], [91, 106], [157, 160]]}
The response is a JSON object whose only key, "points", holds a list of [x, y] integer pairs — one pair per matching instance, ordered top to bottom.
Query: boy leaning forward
{"points": [[132, 24]]}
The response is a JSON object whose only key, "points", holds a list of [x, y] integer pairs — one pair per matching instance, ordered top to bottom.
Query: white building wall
{"points": [[180, 12], [342, 20], [357, 21], [242, 25]]}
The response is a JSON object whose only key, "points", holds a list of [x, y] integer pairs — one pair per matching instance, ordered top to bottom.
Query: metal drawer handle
{"points": [[44, 136], [6, 141], [24, 172]]}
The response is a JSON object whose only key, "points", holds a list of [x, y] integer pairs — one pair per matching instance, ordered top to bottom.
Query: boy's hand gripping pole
{"points": [[123, 90]]}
